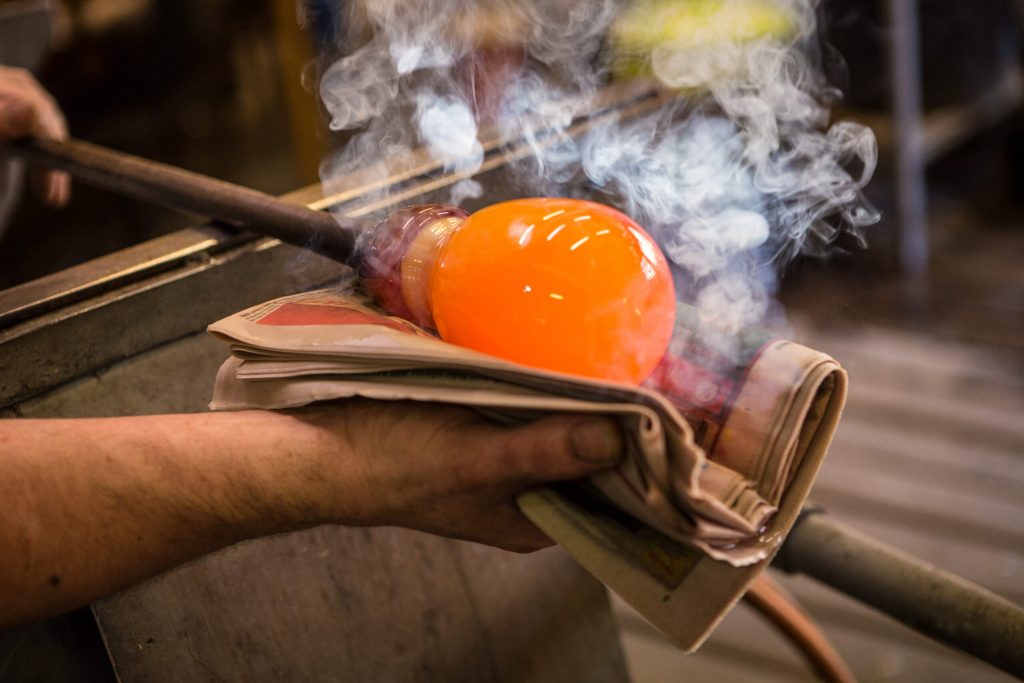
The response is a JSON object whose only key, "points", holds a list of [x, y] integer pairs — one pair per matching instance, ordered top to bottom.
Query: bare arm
{"points": [[92, 506]]}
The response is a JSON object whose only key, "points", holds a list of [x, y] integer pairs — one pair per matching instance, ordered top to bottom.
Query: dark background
{"points": [[213, 87], [227, 88]]}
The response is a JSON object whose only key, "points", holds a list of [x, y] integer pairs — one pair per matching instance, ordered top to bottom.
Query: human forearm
{"points": [[92, 506]]}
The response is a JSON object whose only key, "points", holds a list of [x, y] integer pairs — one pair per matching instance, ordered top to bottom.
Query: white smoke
{"points": [[448, 128], [740, 175]]}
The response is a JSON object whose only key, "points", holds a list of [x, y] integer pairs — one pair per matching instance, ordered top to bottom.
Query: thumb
{"points": [[17, 119], [597, 441], [559, 448]]}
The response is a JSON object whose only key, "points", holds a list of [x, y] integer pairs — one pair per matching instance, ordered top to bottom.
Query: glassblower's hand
{"points": [[27, 110], [448, 471], [94, 505]]}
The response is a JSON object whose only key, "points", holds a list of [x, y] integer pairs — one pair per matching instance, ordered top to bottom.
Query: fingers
{"points": [[17, 85], [20, 89], [27, 109], [17, 118], [53, 187], [57, 192], [557, 448], [448, 471], [499, 524], [502, 526], [520, 536]]}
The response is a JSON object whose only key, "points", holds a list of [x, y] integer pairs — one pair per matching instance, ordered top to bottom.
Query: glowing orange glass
{"points": [[560, 284]]}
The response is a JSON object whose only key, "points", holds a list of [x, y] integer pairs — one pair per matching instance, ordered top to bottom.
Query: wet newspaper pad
{"points": [[721, 453]]}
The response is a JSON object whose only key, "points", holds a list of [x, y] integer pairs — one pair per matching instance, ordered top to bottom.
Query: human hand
{"points": [[26, 109], [448, 471], [142, 494]]}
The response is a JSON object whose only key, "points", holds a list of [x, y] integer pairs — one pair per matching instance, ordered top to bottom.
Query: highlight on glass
{"points": [[566, 285]]}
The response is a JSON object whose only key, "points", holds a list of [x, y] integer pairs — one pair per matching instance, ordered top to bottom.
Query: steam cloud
{"points": [[736, 178]]}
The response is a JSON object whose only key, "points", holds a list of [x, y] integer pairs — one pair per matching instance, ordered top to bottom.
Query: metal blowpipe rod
{"points": [[182, 190], [934, 602]]}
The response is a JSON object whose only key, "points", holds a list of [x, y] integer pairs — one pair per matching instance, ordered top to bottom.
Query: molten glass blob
{"points": [[559, 284]]}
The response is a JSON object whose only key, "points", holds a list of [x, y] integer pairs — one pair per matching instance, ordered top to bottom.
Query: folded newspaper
{"points": [[721, 454]]}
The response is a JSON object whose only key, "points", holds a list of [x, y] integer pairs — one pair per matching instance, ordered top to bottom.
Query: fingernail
{"points": [[597, 441]]}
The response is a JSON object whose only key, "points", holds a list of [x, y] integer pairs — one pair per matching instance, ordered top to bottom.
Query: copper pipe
{"points": [[182, 190], [768, 598]]}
